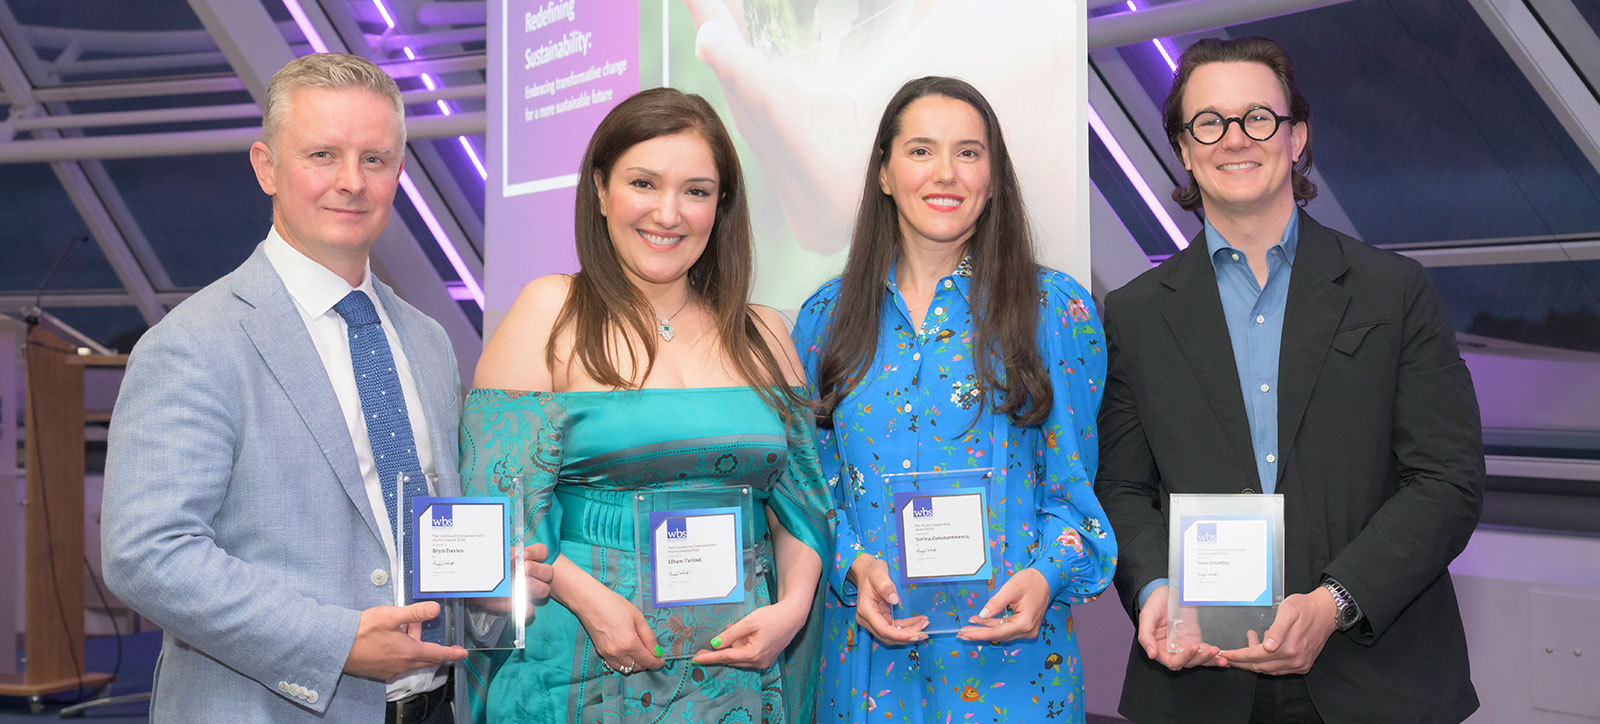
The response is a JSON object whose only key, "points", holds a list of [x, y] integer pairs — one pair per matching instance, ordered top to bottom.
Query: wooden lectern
{"points": [[54, 511]]}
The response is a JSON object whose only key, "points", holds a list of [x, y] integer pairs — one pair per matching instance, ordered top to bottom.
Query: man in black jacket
{"points": [[1275, 355]]}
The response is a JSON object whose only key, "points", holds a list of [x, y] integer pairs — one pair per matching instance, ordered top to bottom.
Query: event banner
{"points": [[567, 70], [801, 85]]}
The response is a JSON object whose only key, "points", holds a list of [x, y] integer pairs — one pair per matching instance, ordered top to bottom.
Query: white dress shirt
{"points": [[315, 289]]}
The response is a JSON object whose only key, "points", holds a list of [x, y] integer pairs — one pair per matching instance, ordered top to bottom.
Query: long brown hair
{"points": [[1253, 49], [1005, 278], [603, 302]]}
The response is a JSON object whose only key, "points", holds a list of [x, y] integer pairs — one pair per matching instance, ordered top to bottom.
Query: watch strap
{"points": [[1347, 613]]}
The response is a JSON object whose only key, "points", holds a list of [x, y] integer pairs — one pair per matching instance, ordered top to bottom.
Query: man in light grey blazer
{"points": [[245, 509]]}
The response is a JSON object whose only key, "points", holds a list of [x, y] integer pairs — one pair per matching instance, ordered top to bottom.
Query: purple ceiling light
{"points": [[387, 18], [300, 19], [1173, 64], [427, 80], [444, 108], [472, 154], [1136, 179], [449, 249], [472, 288]]}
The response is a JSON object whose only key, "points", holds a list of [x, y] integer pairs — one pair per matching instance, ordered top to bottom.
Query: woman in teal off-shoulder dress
{"points": [[649, 371]]}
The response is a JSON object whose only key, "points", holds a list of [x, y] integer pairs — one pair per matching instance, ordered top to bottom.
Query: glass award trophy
{"points": [[460, 551], [939, 557], [1225, 565], [694, 579]]}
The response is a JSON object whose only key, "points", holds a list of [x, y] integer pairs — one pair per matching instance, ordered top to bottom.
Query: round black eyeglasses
{"points": [[1259, 123]]}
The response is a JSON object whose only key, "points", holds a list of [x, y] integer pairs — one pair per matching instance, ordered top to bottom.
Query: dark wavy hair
{"points": [[1247, 50], [1005, 277], [602, 301]]}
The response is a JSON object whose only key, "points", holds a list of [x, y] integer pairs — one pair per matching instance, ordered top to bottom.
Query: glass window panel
{"points": [[1591, 12], [117, 40], [1458, 147], [203, 215], [40, 221], [1548, 304], [115, 327], [1531, 336]]}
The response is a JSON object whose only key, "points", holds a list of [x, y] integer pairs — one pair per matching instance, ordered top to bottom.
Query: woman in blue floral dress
{"points": [[943, 347]]}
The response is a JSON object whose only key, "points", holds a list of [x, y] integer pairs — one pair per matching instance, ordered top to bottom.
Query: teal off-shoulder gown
{"points": [[580, 455]]}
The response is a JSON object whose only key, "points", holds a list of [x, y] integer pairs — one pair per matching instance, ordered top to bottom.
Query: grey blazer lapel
{"points": [[1317, 301], [1194, 314], [280, 337]]}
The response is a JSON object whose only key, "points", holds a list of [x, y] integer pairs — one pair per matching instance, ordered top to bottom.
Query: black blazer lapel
{"points": [[1317, 301], [1194, 314]]}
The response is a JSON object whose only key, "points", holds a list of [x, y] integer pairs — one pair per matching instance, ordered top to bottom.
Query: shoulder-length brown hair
{"points": [[1254, 49], [1005, 278], [603, 307]]}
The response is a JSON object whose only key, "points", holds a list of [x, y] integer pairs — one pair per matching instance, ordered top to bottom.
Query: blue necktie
{"points": [[394, 450]]}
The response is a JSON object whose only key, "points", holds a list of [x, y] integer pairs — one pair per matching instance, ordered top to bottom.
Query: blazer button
{"points": [[379, 576], [283, 686], [297, 690], [311, 697]]}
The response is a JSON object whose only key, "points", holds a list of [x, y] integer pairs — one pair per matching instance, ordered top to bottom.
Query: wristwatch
{"points": [[1347, 614]]}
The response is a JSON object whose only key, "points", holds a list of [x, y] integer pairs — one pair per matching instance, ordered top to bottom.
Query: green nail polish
{"points": [[716, 642], [660, 650]]}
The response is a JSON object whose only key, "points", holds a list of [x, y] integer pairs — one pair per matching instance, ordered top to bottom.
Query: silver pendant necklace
{"points": [[665, 326]]}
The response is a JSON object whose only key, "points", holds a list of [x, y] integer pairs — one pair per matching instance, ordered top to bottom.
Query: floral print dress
{"points": [[916, 410]]}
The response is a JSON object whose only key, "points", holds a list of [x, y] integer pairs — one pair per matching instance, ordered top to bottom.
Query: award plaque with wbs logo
{"points": [[465, 552], [940, 560], [694, 563], [1225, 569]]}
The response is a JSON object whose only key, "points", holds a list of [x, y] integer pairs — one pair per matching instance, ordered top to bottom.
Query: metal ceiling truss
{"points": [[1187, 16], [1567, 25], [341, 31], [1547, 38], [1532, 42], [255, 56], [1115, 107], [1135, 119], [189, 143], [106, 223], [1485, 252], [20, 304]]}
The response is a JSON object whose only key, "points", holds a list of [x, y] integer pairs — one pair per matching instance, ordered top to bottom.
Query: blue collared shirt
{"points": [[1255, 327]]}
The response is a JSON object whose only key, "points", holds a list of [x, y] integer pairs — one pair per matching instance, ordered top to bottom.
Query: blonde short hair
{"points": [[326, 70]]}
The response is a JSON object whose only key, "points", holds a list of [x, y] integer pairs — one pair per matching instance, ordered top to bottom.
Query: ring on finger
{"points": [[604, 665], [626, 668]]}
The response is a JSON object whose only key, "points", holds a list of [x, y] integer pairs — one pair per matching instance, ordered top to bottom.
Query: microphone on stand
{"points": [[36, 312]]}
